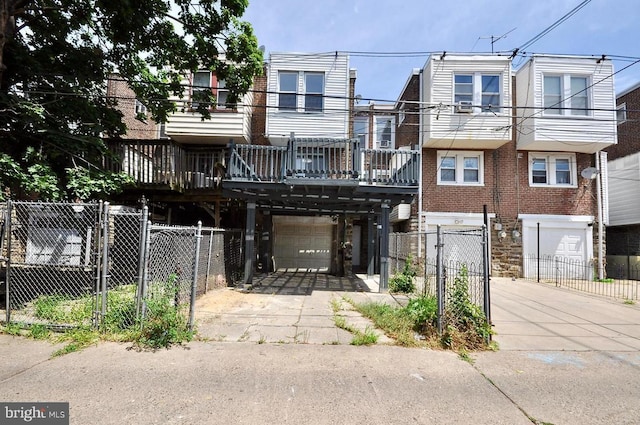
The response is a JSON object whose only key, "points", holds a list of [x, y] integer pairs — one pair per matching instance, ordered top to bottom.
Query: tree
{"points": [[56, 56]]}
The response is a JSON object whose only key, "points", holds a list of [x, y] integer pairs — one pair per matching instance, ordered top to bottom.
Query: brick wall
{"points": [[126, 102], [259, 116], [628, 131], [408, 132]]}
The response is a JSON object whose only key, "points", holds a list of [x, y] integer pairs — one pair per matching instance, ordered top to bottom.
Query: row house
{"points": [[523, 146], [284, 165], [623, 232]]}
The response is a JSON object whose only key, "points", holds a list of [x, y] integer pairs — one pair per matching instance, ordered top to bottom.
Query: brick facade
{"points": [[118, 89], [259, 115], [628, 131]]}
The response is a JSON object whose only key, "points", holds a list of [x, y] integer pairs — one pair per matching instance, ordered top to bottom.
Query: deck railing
{"points": [[323, 159], [161, 162]]}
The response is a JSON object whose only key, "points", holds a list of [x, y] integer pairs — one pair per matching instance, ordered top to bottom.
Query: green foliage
{"points": [[55, 62], [85, 185], [403, 282], [64, 309], [121, 312], [423, 312], [396, 322], [165, 323], [466, 323], [12, 328], [39, 331], [366, 337], [76, 340]]}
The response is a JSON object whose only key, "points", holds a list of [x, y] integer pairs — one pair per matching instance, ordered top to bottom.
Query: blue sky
{"points": [[608, 27]]}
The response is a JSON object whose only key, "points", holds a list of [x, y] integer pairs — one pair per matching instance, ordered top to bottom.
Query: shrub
{"points": [[403, 282]]}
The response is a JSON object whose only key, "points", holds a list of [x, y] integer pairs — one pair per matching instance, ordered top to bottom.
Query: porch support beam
{"points": [[249, 243], [371, 246], [384, 247]]}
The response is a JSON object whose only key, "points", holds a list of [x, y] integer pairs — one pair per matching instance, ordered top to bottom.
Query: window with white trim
{"points": [[204, 86], [478, 89], [287, 91], [313, 91], [566, 95], [140, 108], [402, 113], [621, 113], [384, 131], [461, 168], [548, 169]]}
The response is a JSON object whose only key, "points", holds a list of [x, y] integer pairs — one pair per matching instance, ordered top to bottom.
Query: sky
{"points": [[610, 27]]}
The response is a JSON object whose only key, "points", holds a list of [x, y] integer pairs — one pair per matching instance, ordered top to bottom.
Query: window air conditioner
{"points": [[464, 106], [385, 144]]}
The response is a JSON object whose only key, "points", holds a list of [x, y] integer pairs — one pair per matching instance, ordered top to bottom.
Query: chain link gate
{"points": [[452, 264]]}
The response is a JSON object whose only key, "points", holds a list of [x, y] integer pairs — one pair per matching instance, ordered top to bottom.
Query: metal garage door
{"points": [[302, 243]]}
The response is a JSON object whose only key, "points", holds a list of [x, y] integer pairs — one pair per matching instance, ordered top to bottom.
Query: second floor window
{"points": [[205, 85], [307, 86], [477, 89], [287, 91], [314, 91], [566, 95], [140, 108], [621, 113], [361, 130], [385, 132]]}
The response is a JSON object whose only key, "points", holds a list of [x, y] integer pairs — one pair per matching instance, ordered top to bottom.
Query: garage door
{"points": [[570, 242], [302, 243]]}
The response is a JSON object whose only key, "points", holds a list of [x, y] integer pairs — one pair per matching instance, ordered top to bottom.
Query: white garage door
{"points": [[570, 242], [302, 243]]}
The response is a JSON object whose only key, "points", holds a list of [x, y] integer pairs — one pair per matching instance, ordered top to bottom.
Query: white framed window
{"points": [[200, 89], [477, 89], [287, 91], [313, 91], [222, 94], [566, 95], [140, 108], [621, 113], [361, 131], [384, 131], [461, 168], [550, 169]]}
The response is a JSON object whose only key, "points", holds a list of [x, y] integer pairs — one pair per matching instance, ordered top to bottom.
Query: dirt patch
{"points": [[224, 300]]}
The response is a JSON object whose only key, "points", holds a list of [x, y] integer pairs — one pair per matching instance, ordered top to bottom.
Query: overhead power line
{"points": [[550, 28]]}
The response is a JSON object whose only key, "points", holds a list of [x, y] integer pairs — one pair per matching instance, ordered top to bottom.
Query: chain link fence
{"points": [[71, 265], [451, 265]]}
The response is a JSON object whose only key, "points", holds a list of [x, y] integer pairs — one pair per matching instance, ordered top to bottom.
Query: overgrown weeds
{"points": [[403, 282], [159, 323], [416, 324]]}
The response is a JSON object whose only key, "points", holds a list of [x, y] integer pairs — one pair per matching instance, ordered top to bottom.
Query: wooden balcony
{"points": [[306, 171], [321, 176]]}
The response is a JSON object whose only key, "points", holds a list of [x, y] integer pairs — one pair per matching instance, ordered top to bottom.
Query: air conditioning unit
{"points": [[464, 106], [384, 144]]}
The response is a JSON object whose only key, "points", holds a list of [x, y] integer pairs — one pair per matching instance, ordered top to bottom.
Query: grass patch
{"points": [[605, 280], [403, 282], [629, 302], [466, 327], [12, 328], [39, 331], [368, 337], [76, 340]]}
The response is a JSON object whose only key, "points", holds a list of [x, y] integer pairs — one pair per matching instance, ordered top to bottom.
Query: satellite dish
{"points": [[590, 173]]}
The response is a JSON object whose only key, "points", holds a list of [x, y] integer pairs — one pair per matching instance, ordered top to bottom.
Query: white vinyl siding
{"points": [[334, 69], [457, 78], [187, 126], [540, 129], [624, 190]]}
